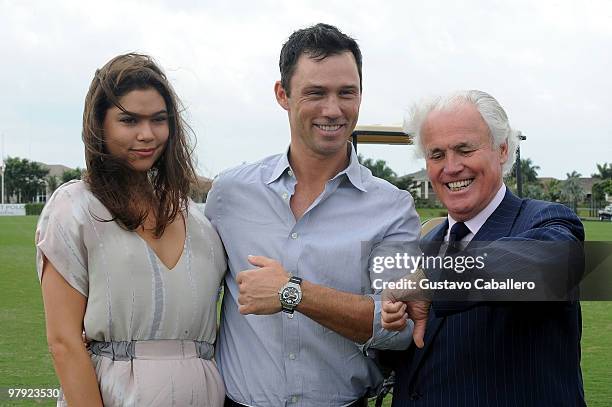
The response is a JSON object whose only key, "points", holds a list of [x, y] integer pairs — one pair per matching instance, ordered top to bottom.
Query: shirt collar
{"points": [[281, 166], [352, 171], [477, 221]]}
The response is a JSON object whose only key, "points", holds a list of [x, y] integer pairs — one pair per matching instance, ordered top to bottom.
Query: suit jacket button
{"points": [[415, 396]]}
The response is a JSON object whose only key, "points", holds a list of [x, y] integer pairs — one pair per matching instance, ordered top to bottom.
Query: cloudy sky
{"points": [[547, 62]]}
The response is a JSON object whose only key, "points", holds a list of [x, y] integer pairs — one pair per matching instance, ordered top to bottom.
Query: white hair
{"points": [[491, 111]]}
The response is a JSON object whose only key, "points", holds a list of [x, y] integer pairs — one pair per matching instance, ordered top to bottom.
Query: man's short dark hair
{"points": [[318, 42]]}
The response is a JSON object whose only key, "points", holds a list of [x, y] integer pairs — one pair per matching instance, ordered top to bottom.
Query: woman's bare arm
{"points": [[64, 312]]}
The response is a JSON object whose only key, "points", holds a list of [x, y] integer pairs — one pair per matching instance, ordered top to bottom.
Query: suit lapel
{"points": [[501, 221], [498, 225]]}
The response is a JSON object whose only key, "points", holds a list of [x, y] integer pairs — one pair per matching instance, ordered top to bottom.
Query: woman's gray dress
{"points": [[133, 296]]}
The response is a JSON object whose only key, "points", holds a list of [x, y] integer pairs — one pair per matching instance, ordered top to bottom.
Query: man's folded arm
{"points": [[549, 254], [356, 317], [383, 339]]}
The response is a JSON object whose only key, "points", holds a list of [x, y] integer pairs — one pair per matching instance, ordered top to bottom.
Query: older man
{"points": [[309, 209], [487, 353]]}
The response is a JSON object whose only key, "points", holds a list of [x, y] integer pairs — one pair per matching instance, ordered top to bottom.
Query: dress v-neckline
{"points": [[184, 247]]}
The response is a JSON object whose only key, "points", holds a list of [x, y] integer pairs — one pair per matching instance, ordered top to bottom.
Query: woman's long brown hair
{"points": [[128, 195]]}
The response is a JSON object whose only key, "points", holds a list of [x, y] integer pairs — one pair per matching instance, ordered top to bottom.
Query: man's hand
{"points": [[259, 287], [400, 304], [418, 311], [395, 314]]}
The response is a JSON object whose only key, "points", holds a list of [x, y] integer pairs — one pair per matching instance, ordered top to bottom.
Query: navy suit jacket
{"points": [[500, 354]]}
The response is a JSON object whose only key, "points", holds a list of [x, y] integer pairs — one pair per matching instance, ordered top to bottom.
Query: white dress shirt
{"points": [[477, 221]]}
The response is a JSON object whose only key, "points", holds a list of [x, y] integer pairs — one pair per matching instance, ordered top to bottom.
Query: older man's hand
{"points": [[258, 288], [400, 304], [395, 315]]}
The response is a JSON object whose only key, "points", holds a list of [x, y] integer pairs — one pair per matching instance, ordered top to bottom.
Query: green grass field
{"points": [[24, 361]]}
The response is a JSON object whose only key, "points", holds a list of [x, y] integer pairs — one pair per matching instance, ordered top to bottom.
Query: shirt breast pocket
{"points": [[343, 268]]}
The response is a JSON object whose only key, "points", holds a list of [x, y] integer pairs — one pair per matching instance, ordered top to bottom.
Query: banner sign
{"points": [[12, 209]]}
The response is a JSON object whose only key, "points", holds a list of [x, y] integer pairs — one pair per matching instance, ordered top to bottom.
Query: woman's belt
{"points": [[152, 349]]}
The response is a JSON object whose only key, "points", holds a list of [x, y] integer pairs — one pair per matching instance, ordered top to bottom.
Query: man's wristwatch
{"points": [[290, 294]]}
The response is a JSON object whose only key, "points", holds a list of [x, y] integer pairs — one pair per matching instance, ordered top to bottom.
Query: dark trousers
{"points": [[362, 402]]}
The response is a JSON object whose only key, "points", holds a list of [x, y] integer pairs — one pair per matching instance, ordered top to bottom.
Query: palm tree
{"points": [[379, 168], [529, 171], [605, 171], [529, 175], [604, 186], [553, 190], [600, 190], [572, 191]]}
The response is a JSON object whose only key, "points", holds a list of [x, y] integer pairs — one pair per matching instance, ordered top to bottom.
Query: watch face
{"points": [[290, 295]]}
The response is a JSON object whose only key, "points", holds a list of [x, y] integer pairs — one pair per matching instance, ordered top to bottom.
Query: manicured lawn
{"points": [[598, 230], [24, 360]]}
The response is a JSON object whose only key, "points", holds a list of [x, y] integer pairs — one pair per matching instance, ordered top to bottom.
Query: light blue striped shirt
{"points": [[275, 360]]}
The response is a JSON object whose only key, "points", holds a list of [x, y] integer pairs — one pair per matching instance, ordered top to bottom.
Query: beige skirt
{"points": [[159, 373]]}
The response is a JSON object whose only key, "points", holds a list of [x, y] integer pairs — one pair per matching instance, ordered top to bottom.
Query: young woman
{"points": [[126, 257]]}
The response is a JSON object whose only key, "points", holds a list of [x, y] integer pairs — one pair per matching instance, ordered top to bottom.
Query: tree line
{"points": [[25, 179], [568, 191]]}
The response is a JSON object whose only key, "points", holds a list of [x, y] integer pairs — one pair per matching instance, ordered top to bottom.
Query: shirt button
{"points": [[290, 173], [285, 195], [294, 235], [292, 356], [294, 399]]}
